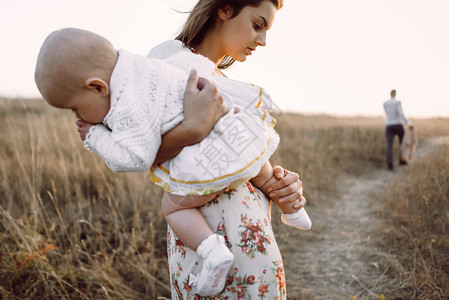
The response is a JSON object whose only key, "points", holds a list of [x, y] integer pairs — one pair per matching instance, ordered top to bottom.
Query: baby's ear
{"points": [[98, 85]]}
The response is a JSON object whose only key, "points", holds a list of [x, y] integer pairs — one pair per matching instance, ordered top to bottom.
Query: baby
{"points": [[131, 101]]}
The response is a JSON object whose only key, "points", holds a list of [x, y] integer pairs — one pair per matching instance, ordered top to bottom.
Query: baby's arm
{"points": [[98, 139]]}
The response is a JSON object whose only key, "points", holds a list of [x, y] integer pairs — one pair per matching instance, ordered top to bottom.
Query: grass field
{"points": [[418, 226], [72, 229]]}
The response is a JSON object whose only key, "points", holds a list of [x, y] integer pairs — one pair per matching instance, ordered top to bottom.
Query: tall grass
{"points": [[418, 218], [69, 227], [72, 229]]}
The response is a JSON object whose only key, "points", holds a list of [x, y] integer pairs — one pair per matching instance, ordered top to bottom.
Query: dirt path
{"points": [[338, 260]]}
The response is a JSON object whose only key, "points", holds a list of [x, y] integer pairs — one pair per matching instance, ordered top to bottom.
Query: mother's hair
{"points": [[202, 18]]}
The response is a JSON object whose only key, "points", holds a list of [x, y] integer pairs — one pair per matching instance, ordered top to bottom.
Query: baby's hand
{"points": [[83, 128]]}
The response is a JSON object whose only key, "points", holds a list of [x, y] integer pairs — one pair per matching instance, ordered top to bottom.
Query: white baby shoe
{"points": [[299, 219], [217, 260]]}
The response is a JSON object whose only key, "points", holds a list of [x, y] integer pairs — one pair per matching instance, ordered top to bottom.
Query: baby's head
{"points": [[73, 71]]}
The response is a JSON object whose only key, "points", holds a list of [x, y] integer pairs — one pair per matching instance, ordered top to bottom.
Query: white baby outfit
{"points": [[147, 101]]}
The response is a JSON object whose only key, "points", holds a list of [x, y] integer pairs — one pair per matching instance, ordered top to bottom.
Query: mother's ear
{"points": [[225, 12], [98, 85]]}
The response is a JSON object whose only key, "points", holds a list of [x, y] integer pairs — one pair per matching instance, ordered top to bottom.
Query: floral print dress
{"points": [[242, 216]]}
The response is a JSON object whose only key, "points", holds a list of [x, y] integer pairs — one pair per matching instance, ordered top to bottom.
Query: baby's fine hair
{"points": [[67, 54]]}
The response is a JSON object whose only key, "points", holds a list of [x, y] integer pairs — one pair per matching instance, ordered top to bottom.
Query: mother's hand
{"points": [[203, 107], [287, 189]]}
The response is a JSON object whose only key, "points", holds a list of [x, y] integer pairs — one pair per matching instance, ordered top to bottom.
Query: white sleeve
{"points": [[167, 49], [401, 113], [118, 157]]}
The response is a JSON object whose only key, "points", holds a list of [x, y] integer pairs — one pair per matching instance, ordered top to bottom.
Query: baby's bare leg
{"points": [[185, 219], [189, 225]]}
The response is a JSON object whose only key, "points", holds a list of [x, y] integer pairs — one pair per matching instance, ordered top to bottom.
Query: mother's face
{"points": [[241, 35]]}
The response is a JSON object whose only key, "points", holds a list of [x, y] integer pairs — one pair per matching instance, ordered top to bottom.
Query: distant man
{"points": [[393, 126]]}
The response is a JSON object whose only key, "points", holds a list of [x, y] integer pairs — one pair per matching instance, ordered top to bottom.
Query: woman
{"points": [[225, 31]]}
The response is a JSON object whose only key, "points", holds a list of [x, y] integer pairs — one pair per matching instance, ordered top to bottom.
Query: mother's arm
{"points": [[202, 109]]}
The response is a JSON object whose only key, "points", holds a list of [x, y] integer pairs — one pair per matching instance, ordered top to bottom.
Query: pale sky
{"points": [[322, 56]]}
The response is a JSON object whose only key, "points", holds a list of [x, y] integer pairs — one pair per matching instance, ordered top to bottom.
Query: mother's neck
{"points": [[211, 47]]}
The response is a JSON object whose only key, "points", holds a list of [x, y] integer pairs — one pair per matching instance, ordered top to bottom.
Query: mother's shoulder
{"points": [[166, 49]]}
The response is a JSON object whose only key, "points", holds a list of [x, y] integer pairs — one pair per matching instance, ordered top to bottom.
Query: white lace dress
{"points": [[147, 101]]}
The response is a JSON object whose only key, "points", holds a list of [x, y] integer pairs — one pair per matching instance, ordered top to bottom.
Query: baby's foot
{"points": [[299, 219], [217, 260]]}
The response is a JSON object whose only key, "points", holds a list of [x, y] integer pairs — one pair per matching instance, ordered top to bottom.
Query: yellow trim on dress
{"points": [[260, 97], [156, 179]]}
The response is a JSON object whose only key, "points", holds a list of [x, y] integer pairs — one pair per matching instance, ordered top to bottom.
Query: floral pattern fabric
{"points": [[242, 216]]}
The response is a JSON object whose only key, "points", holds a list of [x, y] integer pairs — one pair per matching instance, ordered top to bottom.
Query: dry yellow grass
{"points": [[418, 219], [69, 227], [72, 229]]}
